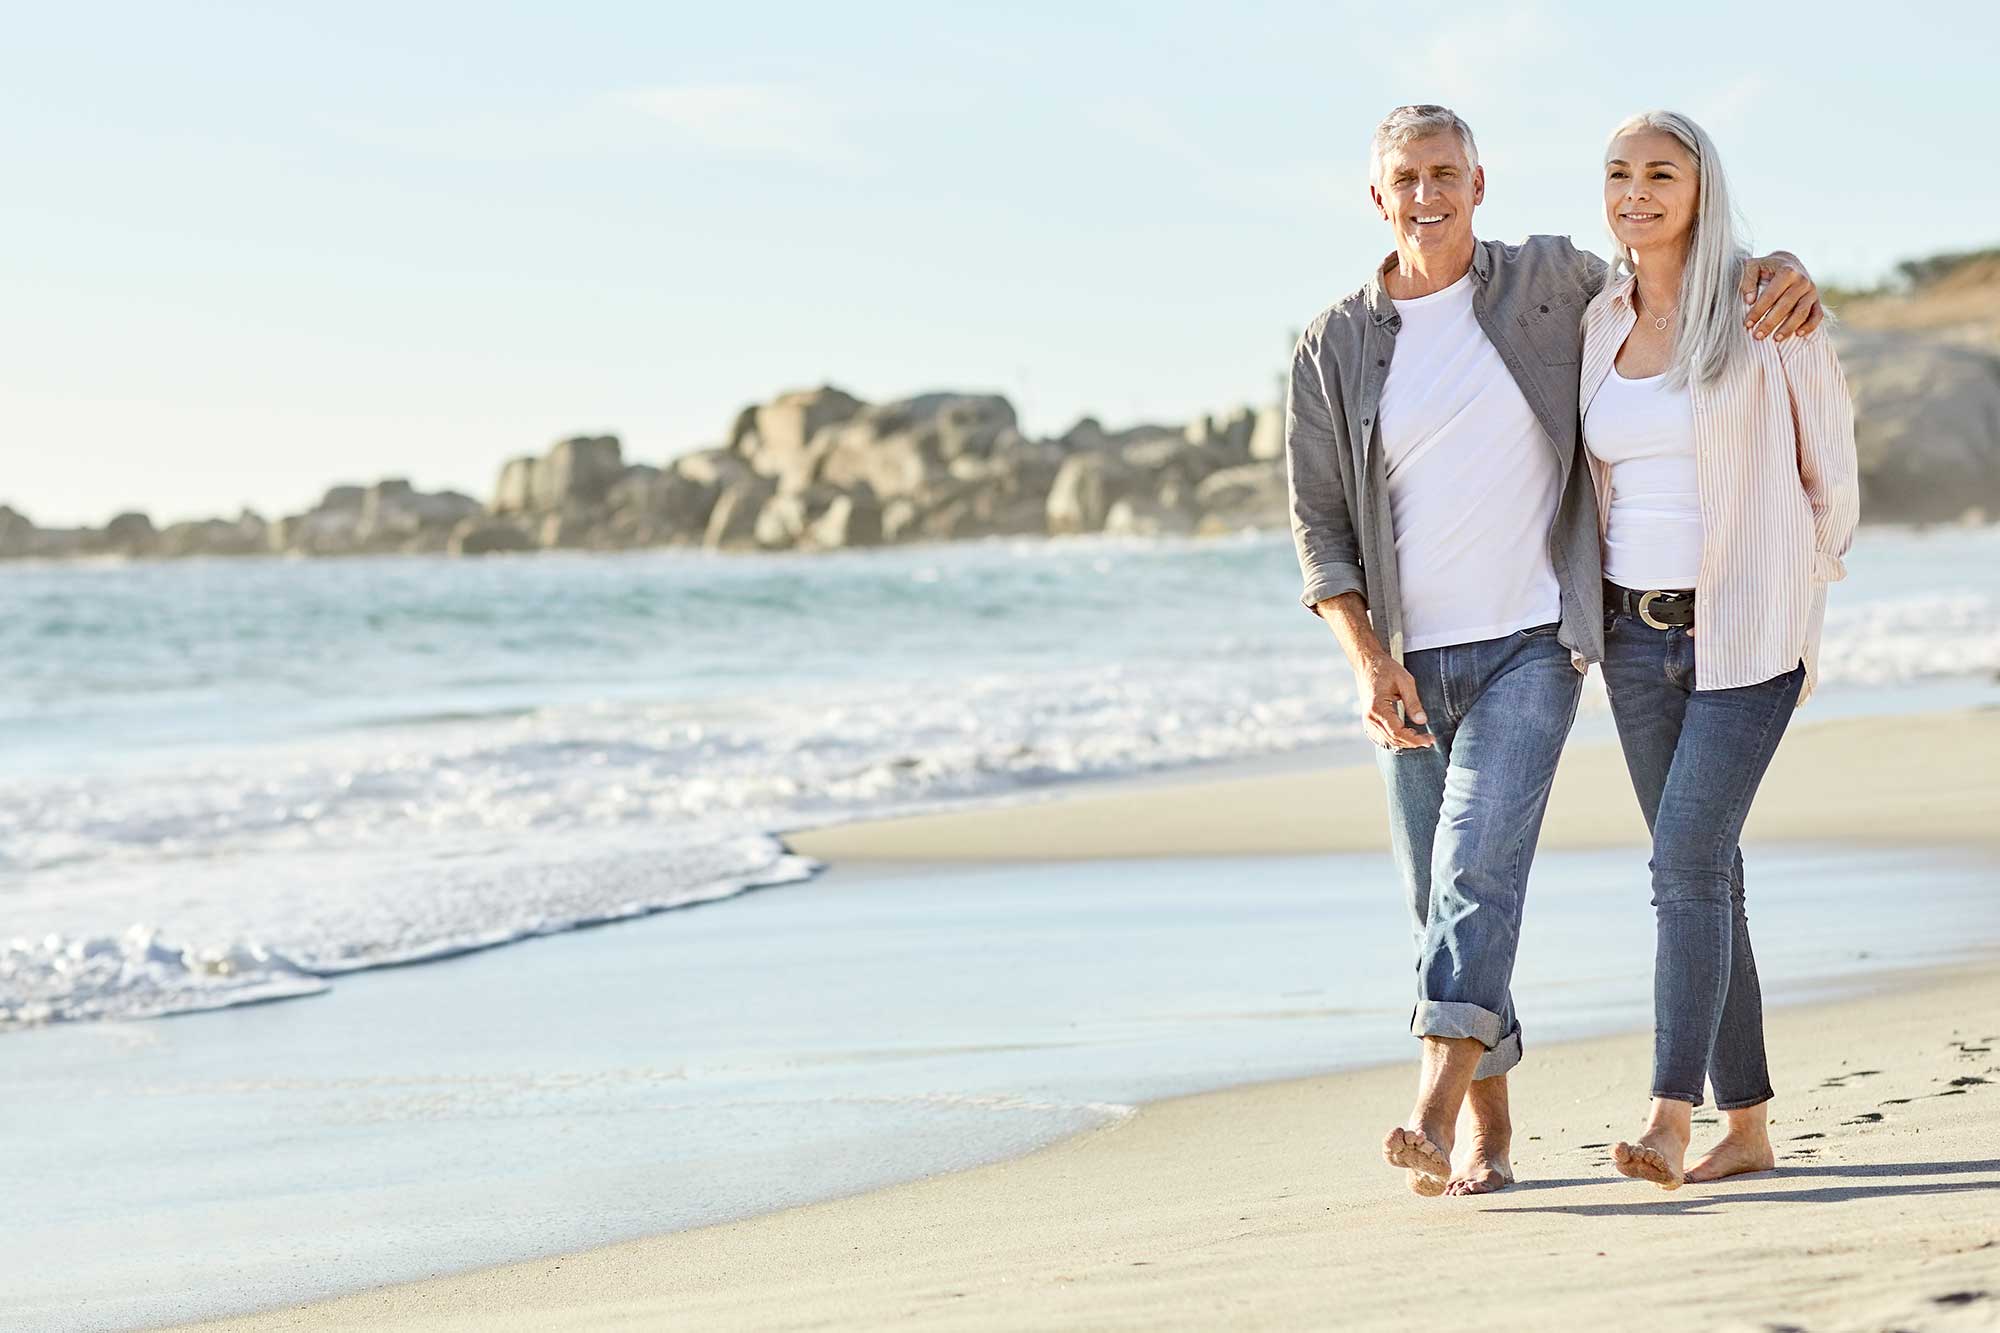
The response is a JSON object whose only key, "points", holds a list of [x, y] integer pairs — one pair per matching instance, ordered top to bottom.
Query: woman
{"points": [[1726, 497]]}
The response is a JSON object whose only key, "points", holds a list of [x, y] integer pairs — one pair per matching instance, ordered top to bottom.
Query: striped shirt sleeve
{"points": [[1823, 416]]}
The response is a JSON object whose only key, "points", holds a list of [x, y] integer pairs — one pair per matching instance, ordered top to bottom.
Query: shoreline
{"points": [[1871, 781], [1222, 1207]]}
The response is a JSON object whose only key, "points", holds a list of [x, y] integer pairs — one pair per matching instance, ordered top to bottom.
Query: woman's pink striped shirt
{"points": [[1775, 468]]}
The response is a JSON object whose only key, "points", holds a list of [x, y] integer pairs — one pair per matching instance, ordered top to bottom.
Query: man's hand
{"points": [[1788, 301], [1379, 679], [1383, 683]]}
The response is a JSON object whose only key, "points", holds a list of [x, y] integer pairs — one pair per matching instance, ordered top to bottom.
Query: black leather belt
{"points": [[1661, 610]]}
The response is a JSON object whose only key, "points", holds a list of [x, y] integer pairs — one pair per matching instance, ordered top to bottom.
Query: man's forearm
{"points": [[1347, 616]]}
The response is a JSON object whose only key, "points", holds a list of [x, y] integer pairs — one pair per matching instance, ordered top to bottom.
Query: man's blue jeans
{"points": [[1696, 757], [1464, 815]]}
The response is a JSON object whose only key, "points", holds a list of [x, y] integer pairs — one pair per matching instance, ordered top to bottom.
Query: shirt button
{"points": [[1545, 310], [1381, 363]]}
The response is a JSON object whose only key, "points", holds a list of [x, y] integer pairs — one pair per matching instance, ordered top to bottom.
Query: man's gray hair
{"points": [[1407, 124]]}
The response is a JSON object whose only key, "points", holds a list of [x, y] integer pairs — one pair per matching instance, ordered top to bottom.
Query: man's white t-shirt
{"points": [[1473, 481]]}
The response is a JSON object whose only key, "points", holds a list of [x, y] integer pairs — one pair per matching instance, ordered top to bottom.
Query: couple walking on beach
{"points": [[1507, 462]]}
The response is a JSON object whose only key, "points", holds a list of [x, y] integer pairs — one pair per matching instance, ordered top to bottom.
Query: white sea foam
{"points": [[351, 765]]}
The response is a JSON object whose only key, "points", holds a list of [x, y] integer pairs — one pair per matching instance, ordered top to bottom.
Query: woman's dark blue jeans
{"points": [[1696, 757]]}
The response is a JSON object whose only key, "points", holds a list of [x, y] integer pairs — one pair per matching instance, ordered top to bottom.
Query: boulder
{"points": [[1927, 426], [777, 432], [1227, 434], [1267, 436], [904, 448], [714, 468], [578, 472], [1086, 487], [514, 493], [1253, 495], [652, 506], [394, 515], [1146, 516], [852, 518], [781, 520], [899, 520], [732, 524], [318, 532], [18, 534], [129, 534], [247, 534], [487, 535]]}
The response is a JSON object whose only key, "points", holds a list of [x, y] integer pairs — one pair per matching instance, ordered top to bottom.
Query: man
{"points": [[1448, 535]]}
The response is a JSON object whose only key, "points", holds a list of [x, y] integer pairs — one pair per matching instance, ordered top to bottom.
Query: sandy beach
{"points": [[1268, 1206]]}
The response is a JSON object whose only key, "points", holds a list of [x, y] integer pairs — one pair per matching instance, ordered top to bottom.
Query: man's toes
{"points": [[1428, 1187]]}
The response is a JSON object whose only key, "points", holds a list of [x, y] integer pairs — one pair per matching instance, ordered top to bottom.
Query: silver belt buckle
{"points": [[1646, 600]]}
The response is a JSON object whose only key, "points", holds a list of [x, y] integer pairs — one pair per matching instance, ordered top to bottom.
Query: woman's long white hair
{"points": [[1711, 312]]}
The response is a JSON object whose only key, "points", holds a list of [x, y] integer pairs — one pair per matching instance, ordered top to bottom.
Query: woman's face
{"points": [[1651, 190]]}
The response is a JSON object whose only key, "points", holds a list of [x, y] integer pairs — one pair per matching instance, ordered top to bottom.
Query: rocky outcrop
{"points": [[1926, 426], [816, 469], [820, 469], [488, 535]]}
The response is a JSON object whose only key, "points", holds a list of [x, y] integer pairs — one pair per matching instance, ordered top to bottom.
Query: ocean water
{"points": [[224, 782]]}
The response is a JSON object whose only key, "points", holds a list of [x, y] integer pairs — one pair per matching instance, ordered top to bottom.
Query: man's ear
{"points": [[1479, 185], [1380, 207]]}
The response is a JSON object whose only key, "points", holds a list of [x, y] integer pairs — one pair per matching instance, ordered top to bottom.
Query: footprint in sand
{"points": [[1866, 1118], [1800, 1138]]}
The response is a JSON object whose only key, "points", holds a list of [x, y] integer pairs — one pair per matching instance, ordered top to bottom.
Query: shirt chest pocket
{"points": [[1554, 329]]}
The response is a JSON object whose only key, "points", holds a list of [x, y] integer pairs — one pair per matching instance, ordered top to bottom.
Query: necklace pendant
{"points": [[1659, 323]]}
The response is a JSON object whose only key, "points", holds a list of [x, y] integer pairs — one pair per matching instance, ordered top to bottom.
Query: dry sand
{"points": [[1269, 1207]]}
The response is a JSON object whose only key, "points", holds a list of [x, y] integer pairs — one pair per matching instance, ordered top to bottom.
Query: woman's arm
{"points": [[1823, 418]]}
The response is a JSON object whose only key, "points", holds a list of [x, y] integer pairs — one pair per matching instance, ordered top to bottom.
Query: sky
{"points": [[255, 249]]}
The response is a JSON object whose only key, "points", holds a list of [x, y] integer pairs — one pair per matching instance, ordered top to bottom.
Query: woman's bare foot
{"points": [[1745, 1147], [1660, 1151], [1420, 1152], [1484, 1172]]}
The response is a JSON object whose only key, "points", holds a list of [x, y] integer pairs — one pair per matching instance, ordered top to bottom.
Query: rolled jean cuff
{"points": [[1451, 1018], [1454, 1018], [1501, 1058], [1738, 1104]]}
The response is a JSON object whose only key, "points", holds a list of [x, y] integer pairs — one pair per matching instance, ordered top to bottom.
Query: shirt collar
{"points": [[1620, 292], [1383, 309]]}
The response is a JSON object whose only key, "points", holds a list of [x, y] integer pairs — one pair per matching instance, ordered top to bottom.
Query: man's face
{"points": [[1427, 191]]}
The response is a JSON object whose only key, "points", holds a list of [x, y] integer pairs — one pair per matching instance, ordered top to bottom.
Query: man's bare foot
{"points": [[1486, 1135], [1421, 1145], [1745, 1146], [1419, 1152], [1658, 1154], [1483, 1173]]}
